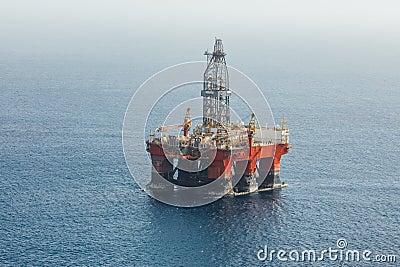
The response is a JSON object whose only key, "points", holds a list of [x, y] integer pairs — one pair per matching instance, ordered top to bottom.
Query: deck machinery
{"points": [[209, 147]]}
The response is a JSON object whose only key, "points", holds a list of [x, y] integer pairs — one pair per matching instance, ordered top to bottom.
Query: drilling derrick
{"points": [[216, 91]]}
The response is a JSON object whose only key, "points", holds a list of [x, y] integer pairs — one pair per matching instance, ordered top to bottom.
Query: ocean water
{"points": [[67, 197]]}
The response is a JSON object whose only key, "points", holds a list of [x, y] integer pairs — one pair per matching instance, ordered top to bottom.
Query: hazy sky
{"points": [[301, 27]]}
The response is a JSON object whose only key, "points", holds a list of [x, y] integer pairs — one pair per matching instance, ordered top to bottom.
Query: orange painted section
{"points": [[280, 149], [223, 160], [222, 163]]}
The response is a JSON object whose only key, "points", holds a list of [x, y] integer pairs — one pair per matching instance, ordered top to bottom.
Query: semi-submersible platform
{"points": [[210, 145]]}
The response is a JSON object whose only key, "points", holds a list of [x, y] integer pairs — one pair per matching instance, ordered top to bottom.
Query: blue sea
{"points": [[67, 197]]}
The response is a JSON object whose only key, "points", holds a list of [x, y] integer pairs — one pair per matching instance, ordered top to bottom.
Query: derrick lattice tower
{"points": [[216, 91]]}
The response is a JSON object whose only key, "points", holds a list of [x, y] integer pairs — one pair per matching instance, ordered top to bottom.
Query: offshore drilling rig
{"points": [[206, 155]]}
